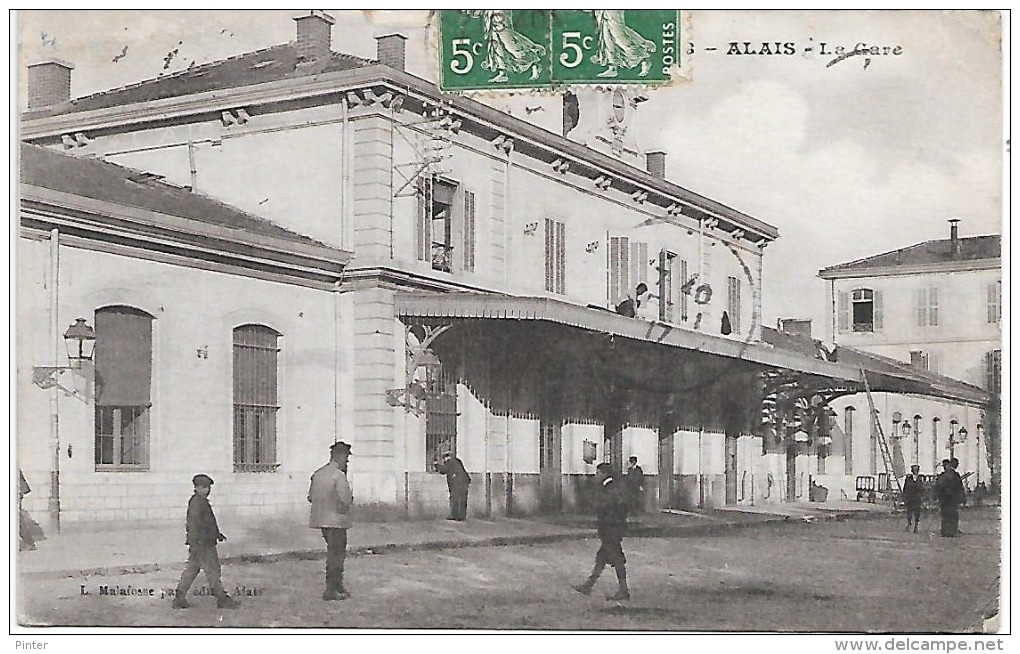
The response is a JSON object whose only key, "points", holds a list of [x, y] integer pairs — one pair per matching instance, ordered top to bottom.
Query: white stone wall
{"points": [[191, 415]]}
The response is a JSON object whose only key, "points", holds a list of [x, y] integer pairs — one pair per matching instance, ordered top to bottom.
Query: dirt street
{"points": [[855, 576]]}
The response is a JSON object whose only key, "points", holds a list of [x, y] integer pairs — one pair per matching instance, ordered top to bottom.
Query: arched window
{"points": [[256, 354], [123, 359]]}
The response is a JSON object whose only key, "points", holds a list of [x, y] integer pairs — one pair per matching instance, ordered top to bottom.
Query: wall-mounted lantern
{"points": [[80, 340]]}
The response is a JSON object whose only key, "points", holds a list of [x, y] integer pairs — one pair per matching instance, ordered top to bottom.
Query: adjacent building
{"points": [[938, 305]]}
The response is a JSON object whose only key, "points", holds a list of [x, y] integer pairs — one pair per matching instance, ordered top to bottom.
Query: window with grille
{"points": [[469, 231], [555, 256], [685, 285], [926, 306], [993, 309], [256, 354], [123, 360], [440, 415], [548, 446]]}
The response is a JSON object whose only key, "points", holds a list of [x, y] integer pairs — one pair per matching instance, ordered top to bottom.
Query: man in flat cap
{"points": [[457, 481], [331, 499], [202, 535]]}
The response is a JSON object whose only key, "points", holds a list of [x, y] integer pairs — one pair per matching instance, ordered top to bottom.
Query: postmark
{"points": [[502, 49]]}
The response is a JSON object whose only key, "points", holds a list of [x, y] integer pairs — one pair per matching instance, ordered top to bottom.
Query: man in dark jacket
{"points": [[457, 481], [635, 481], [913, 491], [950, 493], [611, 508], [202, 535]]}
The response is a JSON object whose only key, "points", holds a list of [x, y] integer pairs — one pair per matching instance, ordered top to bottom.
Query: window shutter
{"points": [[469, 231], [424, 236], [549, 254], [561, 258], [638, 263], [619, 268], [682, 284], [734, 303], [843, 304], [933, 306], [920, 308], [878, 311], [123, 357]]}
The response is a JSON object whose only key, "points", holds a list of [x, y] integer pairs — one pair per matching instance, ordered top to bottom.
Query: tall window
{"points": [[435, 223], [469, 231], [555, 256], [619, 269], [685, 283], [667, 296], [733, 302], [926, 306], [993, 308], [862, 309], [256, 354], [123, 358], [993, 371], [440, 415], [848, 440], [548, 446]]}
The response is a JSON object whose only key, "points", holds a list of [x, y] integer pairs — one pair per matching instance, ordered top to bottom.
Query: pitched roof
{"points": [[266, 65], [101, 180], [972, 248], [884, 374]]}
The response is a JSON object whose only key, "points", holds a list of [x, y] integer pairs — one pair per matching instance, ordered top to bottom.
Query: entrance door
{"points": [[613, 449], [550, 465], [666, 467], [731, 468]]}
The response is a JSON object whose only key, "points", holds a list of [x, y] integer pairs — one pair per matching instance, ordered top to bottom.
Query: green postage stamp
{"points": [[538, 48]]}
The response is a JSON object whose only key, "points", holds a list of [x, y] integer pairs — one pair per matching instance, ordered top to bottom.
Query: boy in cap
{"points": [[331, 499], [611, 509], [202, 535]]}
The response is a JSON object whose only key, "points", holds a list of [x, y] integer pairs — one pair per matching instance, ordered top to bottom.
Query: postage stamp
{"points": [[541, 48]]}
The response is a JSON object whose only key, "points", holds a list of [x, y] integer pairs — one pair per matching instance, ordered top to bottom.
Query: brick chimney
{"points": [[313, 34], [389, 50], [49, 83], [655, 163], [954, 237], [795, 326], [915, 359]]}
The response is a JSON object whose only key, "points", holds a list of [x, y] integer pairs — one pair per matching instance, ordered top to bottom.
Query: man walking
{"points": [[457, 481], [635, 481], [913, 491], [950, 494], [331, 499], [611, 508], [202, 535]]}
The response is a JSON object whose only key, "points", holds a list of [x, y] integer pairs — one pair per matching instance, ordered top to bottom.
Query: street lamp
{"points": [[80, 341], [917, 438], [977, 450]]}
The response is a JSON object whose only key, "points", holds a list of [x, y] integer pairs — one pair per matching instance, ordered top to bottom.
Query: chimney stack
{"points": [[313, 34], [390, 50], [49, 83], [655, 162], [954, 237], [915, 360]]}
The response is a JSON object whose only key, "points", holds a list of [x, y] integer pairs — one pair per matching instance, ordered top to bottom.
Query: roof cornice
{"points": [[480, 117], [102, 220], [917, 269]]}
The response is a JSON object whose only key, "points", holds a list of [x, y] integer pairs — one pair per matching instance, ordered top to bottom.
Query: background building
{"points": [[938, 305]]}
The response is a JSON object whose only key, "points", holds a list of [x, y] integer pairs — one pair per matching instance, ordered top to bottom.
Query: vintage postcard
{"points": [[511, 321]]}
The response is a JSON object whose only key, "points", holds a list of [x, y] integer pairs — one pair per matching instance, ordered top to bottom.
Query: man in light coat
{"points": [[331, 499]]}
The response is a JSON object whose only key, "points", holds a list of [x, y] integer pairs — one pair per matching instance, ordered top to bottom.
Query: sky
{"points": [[846, 160]]}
